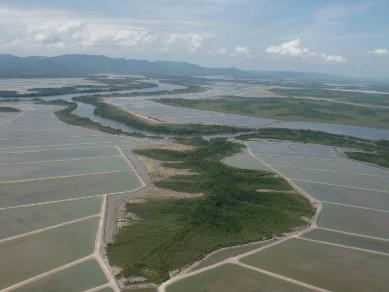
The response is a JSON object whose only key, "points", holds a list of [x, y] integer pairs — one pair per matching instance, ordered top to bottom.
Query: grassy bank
{"points": [[190, 84], [188, 89], [351, 96], [8, 109], [290, 109], [114, 113], [66, 116], [376, 152], [379, 155], [174, 233]]}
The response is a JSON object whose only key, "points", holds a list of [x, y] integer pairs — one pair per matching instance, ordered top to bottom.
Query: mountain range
{"points": [[82, 64]]}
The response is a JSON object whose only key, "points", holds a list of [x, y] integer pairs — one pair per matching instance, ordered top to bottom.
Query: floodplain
{"points": [[56, 181]]}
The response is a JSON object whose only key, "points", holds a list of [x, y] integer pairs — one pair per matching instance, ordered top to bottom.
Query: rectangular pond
{"points": [[293, 149], [37, 155], [338, 165], [61, 168], [360, 181], [13, 194], [345, 195], [23, 220], [355, 220], [349, 240], [23, 258], [330, 267], [81, 277], [232, 278]]}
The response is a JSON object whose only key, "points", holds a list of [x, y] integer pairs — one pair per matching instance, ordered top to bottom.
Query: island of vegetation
{"points": [[189, 84], [106, 85], [362, 97], [8, 109], [291, 109], [114, 113], [68, 117], [371, 151], [237, 206]]}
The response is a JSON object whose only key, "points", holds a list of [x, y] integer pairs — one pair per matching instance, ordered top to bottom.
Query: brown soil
{"points": [[158, 170]]}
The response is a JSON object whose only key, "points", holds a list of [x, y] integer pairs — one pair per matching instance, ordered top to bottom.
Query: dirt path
{"points": [[100, 248]]}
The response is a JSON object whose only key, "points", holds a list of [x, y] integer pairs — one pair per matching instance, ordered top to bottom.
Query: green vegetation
{"points": [[191, 84], [188, 89], [350, 96], [8, 109], [292, 109], [114, 113], [66, 116], [309, 136], [370, 151], [380, 155], [174, 233]]}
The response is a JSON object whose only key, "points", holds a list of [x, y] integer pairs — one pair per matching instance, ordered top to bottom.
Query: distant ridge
{"points": [[82, 64], [79, 65]]}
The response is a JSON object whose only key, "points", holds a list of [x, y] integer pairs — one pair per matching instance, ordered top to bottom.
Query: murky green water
{"points": [[64, 188], [22, 220], [355, 220], [350, 240], [26, 257], [330, 267], [81, 277], [232, 278]]}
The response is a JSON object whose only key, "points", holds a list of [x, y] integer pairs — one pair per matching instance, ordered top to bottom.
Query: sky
{"points": [[348, 37]]}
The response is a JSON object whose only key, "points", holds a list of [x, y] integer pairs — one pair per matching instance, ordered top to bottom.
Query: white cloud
{"points": [[40, 30], [54, 33], [82, 35], [128, 37], [191, 41], [196, 41], [293, 48], [221, 51], [238, 51], [241, 51], [380, 52], [333, 58]]}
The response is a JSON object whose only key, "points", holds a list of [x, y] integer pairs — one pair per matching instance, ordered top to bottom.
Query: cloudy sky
{"points": [[349, 37]]}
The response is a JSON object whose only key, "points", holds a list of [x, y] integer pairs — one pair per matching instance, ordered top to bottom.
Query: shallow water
{"points": [[23, 220], [354, 220], [349, 240], [45, 251], [325, 266], [81, 277], [232, 278]]}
